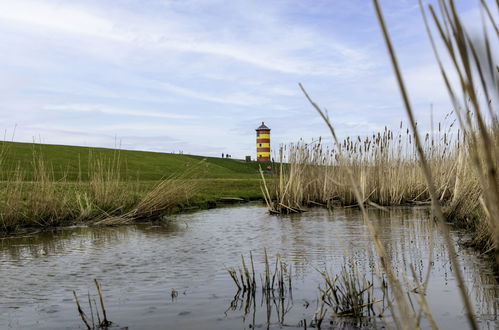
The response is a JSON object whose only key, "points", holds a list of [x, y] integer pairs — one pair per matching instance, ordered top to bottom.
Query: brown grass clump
{"points": [[108, 190], [168, 194], [11, 198], [106, 198], [38, 202], [46, 204], [468, 206]]}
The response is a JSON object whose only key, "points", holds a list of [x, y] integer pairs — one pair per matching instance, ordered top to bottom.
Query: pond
{"points": [[174, 276]]}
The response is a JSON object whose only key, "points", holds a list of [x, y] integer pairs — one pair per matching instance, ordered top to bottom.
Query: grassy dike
{"points": [[74, 163], [48, 185]]}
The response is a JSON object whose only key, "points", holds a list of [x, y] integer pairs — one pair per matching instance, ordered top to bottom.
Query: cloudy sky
{"points": [[201, 75]]}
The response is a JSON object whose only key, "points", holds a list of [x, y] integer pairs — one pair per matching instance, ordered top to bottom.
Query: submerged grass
{"points": [[276, 279], [276, 288], [349, 293], [346, 297], [93, 322]]}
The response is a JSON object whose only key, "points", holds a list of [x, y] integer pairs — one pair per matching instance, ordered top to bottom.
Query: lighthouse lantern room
{"points": [[263, 143]]}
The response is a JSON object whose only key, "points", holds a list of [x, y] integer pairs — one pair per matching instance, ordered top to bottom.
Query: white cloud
{"points": [[64, 17], [276, 49], [204, 71], [283, 91], [239, 98], [106, 109]]}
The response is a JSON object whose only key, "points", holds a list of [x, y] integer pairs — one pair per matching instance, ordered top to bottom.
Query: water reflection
{"points": [[140, 265], [275, 308]]}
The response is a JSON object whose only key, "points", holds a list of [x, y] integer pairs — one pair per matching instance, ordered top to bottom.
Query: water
{"points": [[138, 267]]}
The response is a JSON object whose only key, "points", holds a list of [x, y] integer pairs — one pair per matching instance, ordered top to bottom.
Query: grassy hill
{"points": [[73, 163], [46, 185]]}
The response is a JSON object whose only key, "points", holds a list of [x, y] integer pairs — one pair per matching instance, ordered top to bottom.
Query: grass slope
{"points": [[72, 162], [215, 178]]}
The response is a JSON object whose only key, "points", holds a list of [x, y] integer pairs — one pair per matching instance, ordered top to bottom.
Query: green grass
{"points": [[72, 162], [52, 185], [213, 189], [248, 189]]}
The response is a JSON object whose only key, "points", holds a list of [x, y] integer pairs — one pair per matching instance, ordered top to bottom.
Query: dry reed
{"points": [[385, 163], [463, 175], [108, 190], [36, 199], [275, 279], [276, 288], [349, 293], [92, 323]]}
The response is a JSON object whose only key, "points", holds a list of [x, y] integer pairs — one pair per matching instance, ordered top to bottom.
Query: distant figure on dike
{"points": [[222, 155]]}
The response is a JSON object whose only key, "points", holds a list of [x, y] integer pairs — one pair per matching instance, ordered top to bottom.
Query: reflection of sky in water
{"points": [[139, 265]]}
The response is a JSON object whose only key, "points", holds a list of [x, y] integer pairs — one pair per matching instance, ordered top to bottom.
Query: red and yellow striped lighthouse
{"points": [[263, 143]]}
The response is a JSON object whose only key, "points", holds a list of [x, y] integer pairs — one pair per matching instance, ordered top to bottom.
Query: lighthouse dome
{"points": [[262, 126]]}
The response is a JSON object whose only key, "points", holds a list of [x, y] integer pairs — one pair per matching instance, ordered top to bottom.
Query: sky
{"points": [[199, 76]]}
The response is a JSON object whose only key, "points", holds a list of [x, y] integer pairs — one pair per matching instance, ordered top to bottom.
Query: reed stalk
{"points": [[456, 173], [276, 281], [403, 311], [91, 324]]}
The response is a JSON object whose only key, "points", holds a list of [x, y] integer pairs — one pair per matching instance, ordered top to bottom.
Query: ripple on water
{"points": [[138, 266]]}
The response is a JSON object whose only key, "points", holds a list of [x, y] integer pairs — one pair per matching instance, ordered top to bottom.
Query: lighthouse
{"points": [[263, 143]]}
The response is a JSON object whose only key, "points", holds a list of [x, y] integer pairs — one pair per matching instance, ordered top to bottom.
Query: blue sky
{"points": [[200, 76]]}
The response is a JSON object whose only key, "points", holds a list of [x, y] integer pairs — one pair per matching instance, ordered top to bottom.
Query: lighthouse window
{"points": [[260, 144]]}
